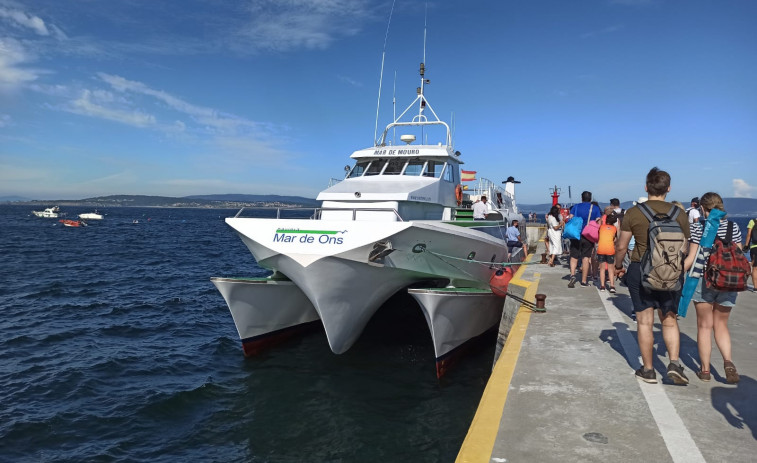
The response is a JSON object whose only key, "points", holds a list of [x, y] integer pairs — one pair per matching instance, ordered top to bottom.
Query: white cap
{"points": [[642, 199]]}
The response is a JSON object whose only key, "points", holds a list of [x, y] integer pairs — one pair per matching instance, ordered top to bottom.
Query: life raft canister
{"points": [[459, 194], [500, 280]]}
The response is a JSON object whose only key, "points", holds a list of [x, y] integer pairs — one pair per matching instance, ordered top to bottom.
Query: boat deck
{"points": [[563, 389]]}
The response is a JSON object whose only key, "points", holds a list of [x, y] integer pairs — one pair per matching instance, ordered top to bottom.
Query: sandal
{"points": [[704, 375], [731, 375]]}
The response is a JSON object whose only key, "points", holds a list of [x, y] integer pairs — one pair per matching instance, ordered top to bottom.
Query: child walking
{"points": [[606, 251]]}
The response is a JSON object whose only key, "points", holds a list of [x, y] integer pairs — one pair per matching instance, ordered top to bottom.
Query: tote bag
{"points": [[573, 228], [591, 232]]}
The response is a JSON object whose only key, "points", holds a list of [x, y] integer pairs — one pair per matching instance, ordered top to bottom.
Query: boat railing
{"points": [[497, 195], [313, 213]]}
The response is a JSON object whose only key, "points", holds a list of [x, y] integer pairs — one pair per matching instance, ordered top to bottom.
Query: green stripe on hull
{"points": [[476, 223], [307, 232], [457, 290]]}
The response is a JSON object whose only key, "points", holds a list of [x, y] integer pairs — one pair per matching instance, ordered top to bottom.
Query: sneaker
{"points": [[572, 282], [584, 285], [601, 288], [612, 289], [675, 373], [704, 375], [731, 375], [648, 376]]}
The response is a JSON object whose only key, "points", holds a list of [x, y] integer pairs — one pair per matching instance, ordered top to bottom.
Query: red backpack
{"points": [[727, 268]]}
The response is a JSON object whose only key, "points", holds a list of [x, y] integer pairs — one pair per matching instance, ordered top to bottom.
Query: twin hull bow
{"points": [[348, 269]]}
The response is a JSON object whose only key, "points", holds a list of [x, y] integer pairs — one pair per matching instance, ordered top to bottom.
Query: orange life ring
{"points": [[459, 194]]}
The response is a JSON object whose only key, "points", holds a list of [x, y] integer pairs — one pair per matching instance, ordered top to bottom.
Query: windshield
{"points": [[414, 167], [434, 169], [358, 170]]}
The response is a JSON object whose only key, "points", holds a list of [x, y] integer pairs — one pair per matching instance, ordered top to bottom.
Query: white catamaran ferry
{"points": [[399, 221]]}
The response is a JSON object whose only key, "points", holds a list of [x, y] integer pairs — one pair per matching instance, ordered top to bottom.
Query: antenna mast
{"points": [[381, 78], [424, 81], [394, 109]]}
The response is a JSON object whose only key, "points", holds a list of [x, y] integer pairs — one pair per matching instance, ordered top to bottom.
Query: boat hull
{"points": [[72, 223], [349, 269], [266, 311], [455, 316]]}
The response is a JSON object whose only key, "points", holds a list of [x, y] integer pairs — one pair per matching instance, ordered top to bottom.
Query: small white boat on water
{"points": [[50, 213], [91, 216], [395, 223]]}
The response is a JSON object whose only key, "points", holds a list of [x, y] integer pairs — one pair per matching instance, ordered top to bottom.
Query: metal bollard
{"points": [[540, 301]]}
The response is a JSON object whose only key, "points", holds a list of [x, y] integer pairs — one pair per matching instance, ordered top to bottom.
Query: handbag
{"points": [[573, 228], [591, 231]]}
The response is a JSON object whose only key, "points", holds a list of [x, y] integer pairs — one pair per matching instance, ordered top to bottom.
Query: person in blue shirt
{"points": [[514, 240], [583, 248]]}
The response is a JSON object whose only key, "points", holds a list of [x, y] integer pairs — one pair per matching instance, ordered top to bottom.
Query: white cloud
{"points": [[19, 18], [312, 24], [13, 56], [90, 105], [208, 117], [741, 189]]}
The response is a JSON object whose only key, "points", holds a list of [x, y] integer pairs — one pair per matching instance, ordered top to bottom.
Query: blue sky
{"points": [[181, 97]]}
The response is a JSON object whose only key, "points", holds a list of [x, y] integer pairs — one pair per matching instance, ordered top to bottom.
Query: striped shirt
{"points": [[698, 228]]}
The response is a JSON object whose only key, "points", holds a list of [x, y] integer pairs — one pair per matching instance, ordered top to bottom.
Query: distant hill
{"points": [[258, 198], [11, 199], [208, 201], [734, 206]]}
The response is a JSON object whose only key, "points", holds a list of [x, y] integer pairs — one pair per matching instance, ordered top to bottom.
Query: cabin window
{"points": [[394, 166], [375, 167], [414, 167], [434, 169], [358, 170], [449, 173]]}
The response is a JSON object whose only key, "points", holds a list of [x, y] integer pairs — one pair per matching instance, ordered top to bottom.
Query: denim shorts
{"points": [[610, 259], [713, 296]]}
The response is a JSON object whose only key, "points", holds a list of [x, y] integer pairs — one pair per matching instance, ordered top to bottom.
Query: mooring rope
{"points": [[497, 264], [527, 304]]}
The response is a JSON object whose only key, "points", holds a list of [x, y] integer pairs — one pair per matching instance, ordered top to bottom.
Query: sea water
{"points": [[116, 347]]}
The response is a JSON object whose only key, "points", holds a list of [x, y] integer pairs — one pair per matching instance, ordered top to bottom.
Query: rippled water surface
{"points": [[115, 346]]}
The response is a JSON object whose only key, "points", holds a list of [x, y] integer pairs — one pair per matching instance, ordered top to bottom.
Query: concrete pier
{"points": [[563, 388]]}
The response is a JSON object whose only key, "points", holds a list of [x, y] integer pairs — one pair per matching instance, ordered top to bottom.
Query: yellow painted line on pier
{"points": [[482, 434]]}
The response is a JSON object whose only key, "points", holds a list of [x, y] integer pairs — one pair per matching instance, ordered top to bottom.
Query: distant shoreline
{"points": [[44, 204]]}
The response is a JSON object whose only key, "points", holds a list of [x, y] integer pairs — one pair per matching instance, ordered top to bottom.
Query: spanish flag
{"points": [[468, 175]]}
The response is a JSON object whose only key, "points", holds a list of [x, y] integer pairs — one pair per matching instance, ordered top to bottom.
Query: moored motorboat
{"points": [[50, 213], [91, 216], [397, 220]]}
